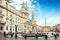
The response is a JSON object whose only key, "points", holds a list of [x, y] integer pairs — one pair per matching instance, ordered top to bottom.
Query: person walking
{"points": [[4, 34], [45, 37]]}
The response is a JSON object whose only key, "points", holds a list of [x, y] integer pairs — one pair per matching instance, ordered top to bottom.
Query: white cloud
{"points": [[35, 1], [18, 3], [53, 20], [40, 21]]}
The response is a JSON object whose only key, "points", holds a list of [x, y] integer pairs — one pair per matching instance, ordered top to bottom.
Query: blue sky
{"points": [[49, 9]]}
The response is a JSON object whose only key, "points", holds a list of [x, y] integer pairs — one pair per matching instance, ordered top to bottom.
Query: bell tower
{"points": [[24, 10], [32, 17], [33, 20]]}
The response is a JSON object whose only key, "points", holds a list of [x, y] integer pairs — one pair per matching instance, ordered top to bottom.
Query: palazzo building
{"points": [[12, 20]]}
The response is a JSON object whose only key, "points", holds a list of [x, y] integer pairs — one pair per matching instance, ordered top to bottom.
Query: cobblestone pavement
{"points": [[29, 38], [40, 38]]}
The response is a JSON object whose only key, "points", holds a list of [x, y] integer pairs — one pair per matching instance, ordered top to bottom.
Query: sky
{"points": [[42, 9]]}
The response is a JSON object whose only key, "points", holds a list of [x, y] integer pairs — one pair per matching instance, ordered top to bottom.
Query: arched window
{"points": [[0, 27], [6, 28]]}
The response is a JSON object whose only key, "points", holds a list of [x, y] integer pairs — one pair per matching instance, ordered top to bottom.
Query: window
{"points": [[0, 1], [6, 5], [0, 8], [0, 11], [6, 13], [10, 15], [23, 15], [13, 16], [16, 18], [0, 19], [10, 20], [13, 20], [20, 20], [16, 21], [0, 27], [33, 27], [6, 28], [10, 28], [13, 28], [28, 28], [18, 29]]}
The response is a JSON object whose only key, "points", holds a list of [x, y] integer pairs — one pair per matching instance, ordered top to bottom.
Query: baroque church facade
{"points": [[12, 20]]}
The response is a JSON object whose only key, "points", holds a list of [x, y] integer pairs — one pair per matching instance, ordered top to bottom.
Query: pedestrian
{"points": [[4, 34], [11, 35], [15, 35], [25, 36], [36, 36], [55, 36], [45, 37]]}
